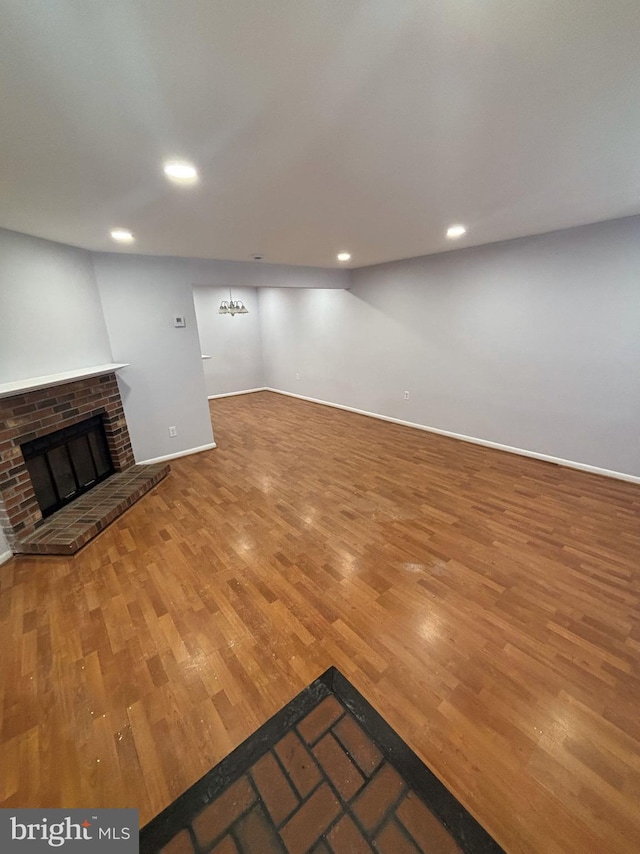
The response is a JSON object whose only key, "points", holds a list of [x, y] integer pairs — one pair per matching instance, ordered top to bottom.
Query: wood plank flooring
{"points": [[486, 604]]}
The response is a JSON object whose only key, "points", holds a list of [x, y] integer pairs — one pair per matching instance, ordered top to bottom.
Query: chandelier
{"points": [[232, 306]]}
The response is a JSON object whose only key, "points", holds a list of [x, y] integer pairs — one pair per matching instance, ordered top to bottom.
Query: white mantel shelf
{"points": [[34, 383]]}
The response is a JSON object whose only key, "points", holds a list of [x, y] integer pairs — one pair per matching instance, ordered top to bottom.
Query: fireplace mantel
{"points": [[34, 383]]}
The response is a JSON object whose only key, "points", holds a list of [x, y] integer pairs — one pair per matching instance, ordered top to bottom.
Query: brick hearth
{"points": [[72, 527]]}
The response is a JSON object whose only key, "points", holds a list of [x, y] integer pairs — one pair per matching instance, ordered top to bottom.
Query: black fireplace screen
{"points": [[64, 464]]}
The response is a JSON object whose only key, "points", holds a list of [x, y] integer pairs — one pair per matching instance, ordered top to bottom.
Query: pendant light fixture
{"points": [[232, 306]]}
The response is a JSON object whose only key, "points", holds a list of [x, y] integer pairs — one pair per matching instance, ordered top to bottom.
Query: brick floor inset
{"points": [[320, 719], [366, 755], [298, 763], [337, 766], [274, 788], [322, 788], [380, 793], [221, 814], [311, 821], [424, 827], [256, 834], [345, 838], [393, 841], [180, 844], [227, 846]]}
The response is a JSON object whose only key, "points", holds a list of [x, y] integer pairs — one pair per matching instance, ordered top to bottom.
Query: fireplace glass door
{"points": [[67, 463]]}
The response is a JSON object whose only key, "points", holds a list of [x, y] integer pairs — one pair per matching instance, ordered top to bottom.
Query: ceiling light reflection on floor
{"points": [[266, 484], [310, 517], [346, 564], [414, 567], [429, 630]]}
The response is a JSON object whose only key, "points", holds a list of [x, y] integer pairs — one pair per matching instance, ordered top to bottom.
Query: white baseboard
{"points": [[233, 393], [186, 453], [571, 464], [5, 556]]}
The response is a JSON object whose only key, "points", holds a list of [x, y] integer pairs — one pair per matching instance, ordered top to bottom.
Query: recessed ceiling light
{"points": [[180, 172], [456, 231], [122, 235], [344, 256]]}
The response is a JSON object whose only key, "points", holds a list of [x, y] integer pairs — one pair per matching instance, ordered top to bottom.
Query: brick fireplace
{"points": [[29, 415]]}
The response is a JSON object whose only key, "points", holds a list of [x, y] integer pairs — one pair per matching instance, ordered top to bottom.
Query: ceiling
{"points": [[316, 125]]}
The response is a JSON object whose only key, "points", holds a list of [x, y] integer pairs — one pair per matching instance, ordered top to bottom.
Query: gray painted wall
{"points": [[62, 308], [50, 313], [234, 343], [531, 343], [164, 385]]}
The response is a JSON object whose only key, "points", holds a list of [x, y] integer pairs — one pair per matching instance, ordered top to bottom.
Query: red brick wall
{"points": [[27, 416]]}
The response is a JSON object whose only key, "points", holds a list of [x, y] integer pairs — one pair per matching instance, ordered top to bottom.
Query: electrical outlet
{"points": [[297, 375], [406, 395], [173, 432]]}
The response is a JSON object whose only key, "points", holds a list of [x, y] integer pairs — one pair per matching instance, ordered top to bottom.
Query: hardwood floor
{"points": [[485, 603]]}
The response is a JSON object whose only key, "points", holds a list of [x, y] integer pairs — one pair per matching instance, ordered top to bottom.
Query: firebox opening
{"points": [[65, 464]]}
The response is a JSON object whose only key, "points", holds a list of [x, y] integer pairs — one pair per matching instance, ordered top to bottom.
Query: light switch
{"points": [[179, 321]]}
